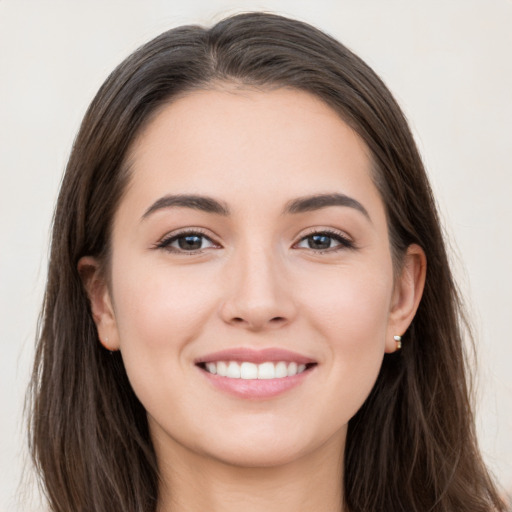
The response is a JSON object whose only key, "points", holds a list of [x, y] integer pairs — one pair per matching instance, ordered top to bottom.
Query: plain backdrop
{"points": [[449, 64]]}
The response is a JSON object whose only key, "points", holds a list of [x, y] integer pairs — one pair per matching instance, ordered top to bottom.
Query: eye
{"points": [[325, 241], [187, 242]]}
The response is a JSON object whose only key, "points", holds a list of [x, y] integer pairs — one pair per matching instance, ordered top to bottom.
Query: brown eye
{"points": [[324, 241], [186, 242], [190, 242], [320, 242]]}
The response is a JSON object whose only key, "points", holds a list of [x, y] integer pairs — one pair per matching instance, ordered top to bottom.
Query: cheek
{"points": [[352, 304], [158, 309], [159, 313], [351, 313], [353, 318]]}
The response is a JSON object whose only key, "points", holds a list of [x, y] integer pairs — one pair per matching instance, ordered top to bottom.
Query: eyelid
{"points": [[167, 239], [345, 241]]}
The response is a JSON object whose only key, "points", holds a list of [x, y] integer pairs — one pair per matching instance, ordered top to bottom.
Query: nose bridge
{"points": [[257, 296]]}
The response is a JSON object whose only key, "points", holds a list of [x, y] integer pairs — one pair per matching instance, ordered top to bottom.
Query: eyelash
{"points": [[344, 241], [165, 243]]}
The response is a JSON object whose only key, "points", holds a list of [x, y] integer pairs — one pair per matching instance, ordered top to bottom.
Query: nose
{"points": [[258, 294]]}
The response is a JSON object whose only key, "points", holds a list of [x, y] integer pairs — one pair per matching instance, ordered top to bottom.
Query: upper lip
{"points": [[250, 355]]}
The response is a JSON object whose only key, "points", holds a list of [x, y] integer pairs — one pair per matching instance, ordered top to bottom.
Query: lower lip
{"points": [[256, 388]]}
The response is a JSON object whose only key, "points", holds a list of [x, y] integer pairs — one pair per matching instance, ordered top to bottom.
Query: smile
{"points": [[247, 370], [255, 374]]}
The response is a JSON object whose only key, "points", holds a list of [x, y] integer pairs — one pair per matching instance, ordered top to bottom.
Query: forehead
{"points": [[224, 143]]}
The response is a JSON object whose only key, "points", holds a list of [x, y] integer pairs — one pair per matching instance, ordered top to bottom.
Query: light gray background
{"points": [[449, 64]]}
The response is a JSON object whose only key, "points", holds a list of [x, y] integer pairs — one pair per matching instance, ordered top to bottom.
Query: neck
{"points": [[312, 483]]}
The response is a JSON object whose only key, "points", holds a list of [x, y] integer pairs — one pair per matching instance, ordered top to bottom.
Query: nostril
{"points": [[277, 320]]}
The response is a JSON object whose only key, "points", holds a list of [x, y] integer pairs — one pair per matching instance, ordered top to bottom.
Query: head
{"points": [[417, 394]]}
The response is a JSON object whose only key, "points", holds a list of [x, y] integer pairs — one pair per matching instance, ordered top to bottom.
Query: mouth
{"points": [[251, 371], [255, 374]]}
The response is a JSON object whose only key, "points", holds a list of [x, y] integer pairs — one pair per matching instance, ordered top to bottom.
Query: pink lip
{"points": [[240, 354], [256, 389]]}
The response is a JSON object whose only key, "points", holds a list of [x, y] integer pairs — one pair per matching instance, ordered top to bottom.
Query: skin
{"points": [[256, 282]]}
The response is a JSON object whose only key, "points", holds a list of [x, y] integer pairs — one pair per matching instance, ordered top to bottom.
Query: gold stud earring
{"points": [[398, 341]]}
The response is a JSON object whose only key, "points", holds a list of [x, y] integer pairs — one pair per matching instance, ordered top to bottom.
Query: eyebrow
{"points": [[319, 201], [195, 202], [211, 205]]}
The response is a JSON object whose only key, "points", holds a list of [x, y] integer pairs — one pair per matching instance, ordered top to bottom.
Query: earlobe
{"points": [[407, 295], [100, 301]]}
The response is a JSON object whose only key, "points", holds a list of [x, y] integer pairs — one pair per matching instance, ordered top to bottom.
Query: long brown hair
{"points": [[411, 447]]}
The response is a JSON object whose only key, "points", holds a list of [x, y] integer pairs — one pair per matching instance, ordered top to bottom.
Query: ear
{"points": [[407, 294], [101, 304]]}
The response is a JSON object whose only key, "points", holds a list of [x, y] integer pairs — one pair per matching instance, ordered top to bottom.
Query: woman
{"points": [[249, 303]]}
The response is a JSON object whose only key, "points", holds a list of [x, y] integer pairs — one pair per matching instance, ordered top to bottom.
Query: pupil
{"points": [[319, 242], [190, 243]]}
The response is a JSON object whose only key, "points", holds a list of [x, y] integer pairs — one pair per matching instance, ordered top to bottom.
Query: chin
{"points": [[273, 447], [258, 456]]}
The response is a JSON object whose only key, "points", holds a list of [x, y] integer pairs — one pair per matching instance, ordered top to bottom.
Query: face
{"points": [[252, 293]]}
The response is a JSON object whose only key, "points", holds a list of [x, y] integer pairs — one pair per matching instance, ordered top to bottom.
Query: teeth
{"points": [[222, 368], [292, 368], [233, 370], [246, 370], [281, 370], [266, 371]]}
